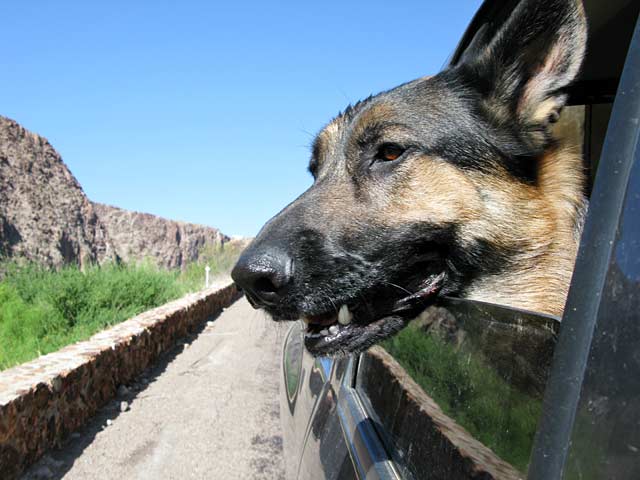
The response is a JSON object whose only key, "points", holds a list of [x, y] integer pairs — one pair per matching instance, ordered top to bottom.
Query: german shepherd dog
{"points": [[446, 185]]}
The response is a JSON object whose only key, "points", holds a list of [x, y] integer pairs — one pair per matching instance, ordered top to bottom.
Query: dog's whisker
{"points": [[399, 288], [332, 302]]}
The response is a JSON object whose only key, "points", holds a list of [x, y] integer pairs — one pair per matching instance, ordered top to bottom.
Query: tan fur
{"points": [[377, 113], [544, 219]]}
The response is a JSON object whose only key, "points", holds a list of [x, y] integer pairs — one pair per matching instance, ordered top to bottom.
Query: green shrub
{"points": [[42, 310], [26, 330]]}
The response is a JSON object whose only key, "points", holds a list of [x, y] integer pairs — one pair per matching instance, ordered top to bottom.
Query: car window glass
{"points": [[458, 392], [606, 437]]}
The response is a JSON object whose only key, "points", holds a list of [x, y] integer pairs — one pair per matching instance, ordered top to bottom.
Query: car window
{"points": [[480, 368], [458, 392], [606, 437], [605, 441]]}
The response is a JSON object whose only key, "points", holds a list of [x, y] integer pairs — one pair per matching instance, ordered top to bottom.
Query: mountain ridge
{"points": [[45, 215]]}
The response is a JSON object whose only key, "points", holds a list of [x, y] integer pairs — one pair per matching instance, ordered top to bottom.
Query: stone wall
{"points": [[44, 400]]}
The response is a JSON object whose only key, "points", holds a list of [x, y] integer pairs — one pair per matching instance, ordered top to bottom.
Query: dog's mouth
{"points": [[352, 327]]}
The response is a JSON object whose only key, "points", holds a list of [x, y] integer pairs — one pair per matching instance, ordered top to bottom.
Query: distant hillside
{"points": [[45, 215], [141, 235]]}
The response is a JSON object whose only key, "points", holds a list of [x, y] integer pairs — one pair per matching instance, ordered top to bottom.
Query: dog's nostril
{"points": [[263, 274], [264, 285]]}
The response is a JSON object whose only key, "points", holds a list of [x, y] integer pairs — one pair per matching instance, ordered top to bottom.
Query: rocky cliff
{"points": [[45, 215], [169, 243]]}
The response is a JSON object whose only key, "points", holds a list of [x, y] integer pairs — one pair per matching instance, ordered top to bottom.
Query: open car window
{"points": [[461, 387], [457, 394], [606, 439]]}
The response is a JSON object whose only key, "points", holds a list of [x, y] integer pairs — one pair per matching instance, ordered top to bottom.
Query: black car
{"points": [[475, 390]]}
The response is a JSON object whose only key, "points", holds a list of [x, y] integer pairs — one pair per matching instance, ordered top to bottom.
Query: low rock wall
{"points": [[42, 401]]}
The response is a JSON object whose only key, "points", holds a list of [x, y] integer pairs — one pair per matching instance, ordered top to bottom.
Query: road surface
{"points": [[208, 410]]}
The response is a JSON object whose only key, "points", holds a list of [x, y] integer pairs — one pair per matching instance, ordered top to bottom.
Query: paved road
{"points": [[208, 411]]}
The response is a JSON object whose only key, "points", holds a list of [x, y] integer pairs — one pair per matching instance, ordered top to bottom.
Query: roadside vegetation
{"points": [[220, 261], [42, 310], [469, 391]]}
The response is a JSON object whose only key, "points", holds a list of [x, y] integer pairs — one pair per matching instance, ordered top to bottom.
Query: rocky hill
{"points": [[45, 215], [141, 235]]}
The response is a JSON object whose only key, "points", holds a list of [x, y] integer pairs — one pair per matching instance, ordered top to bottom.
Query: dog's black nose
{"points": [[263, 274]]}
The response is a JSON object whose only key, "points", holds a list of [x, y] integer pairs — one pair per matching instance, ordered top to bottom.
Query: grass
{"points": [[42, 310], [469, 391]]}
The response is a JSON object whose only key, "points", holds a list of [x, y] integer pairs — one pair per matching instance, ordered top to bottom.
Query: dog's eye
{"points": [[389, 152]]}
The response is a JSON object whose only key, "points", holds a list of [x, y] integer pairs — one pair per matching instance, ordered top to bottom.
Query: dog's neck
{"points": [[544, 230]]}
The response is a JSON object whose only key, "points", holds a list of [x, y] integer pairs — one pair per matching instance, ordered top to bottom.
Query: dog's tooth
{"points": [[344, 315], [333, 329], [324, 332]]}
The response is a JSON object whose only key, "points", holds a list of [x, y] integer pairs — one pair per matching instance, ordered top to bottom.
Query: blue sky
{"points": [[204, 111]]}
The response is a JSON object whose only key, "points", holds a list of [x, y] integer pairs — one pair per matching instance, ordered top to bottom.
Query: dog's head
{"points": [[414, 187]]}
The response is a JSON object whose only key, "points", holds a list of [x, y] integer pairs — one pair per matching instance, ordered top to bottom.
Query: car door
{"points": [[327, 432]]}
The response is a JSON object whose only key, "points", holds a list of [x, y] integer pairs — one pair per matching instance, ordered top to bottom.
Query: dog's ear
{"points": [[476, 46], [523, 69]]}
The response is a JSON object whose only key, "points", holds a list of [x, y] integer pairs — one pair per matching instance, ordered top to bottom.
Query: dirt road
{"points": [[208, 411]]}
